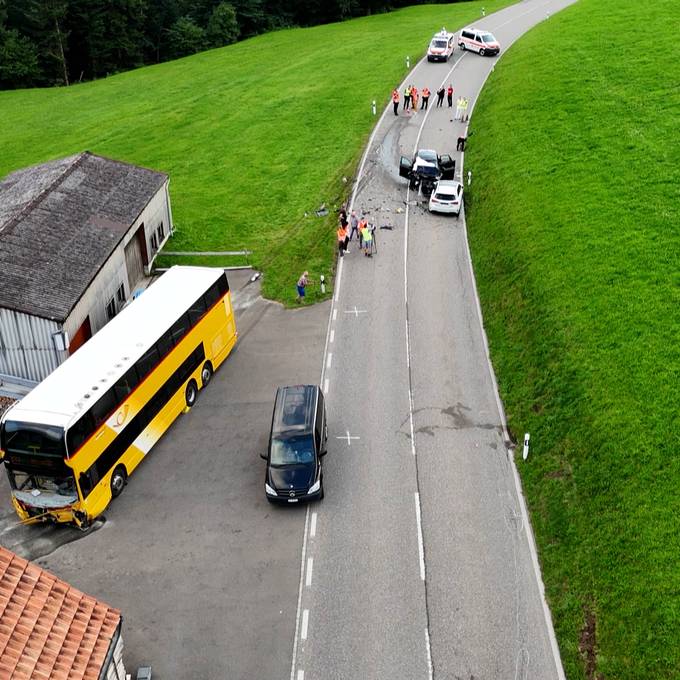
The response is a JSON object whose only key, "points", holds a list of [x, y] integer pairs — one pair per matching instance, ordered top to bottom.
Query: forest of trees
{"points": [[59, 42]]}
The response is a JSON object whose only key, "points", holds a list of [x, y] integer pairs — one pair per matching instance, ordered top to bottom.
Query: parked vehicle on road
{"points": [[476, 40], [441, 46], [426, 168], [447, 197], [298, 441], [70, 444]]}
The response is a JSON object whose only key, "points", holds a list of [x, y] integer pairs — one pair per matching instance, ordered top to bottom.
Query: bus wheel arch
{"points": [[206, 373], [191, 393], [118, 480]]}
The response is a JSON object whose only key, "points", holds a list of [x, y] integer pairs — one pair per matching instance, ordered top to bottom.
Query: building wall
{"points": [[110, 277], [27, 349], [115, 669]]}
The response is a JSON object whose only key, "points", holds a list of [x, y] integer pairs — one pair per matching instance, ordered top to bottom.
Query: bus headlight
{"points": [[315, 487], [269, 491]]}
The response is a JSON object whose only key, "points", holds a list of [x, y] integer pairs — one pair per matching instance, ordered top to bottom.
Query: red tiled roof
{"points": [[49, 630]]}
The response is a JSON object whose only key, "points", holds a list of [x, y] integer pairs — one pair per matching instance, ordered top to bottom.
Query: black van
{"points": [[297, 442]]}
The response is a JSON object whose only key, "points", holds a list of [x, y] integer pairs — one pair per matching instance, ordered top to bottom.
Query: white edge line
{"points": [[332, 335], [329, 360], [501, 412], [312, 529], [421, 552], [310, 569], [299, 602], [305, 624], [428, 647]]}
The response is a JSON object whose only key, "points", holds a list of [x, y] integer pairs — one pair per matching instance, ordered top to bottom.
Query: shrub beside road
{"points": [[573, 224]]}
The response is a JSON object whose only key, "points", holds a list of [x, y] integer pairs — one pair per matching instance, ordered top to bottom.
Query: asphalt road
{"points": [[420, 562]]}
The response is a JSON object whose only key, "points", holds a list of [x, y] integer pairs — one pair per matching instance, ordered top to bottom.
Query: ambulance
{"points": [[477, 40], [441, 46]]}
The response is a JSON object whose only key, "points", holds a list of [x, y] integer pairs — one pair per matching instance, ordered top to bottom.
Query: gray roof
{"points": [[59, 223]]}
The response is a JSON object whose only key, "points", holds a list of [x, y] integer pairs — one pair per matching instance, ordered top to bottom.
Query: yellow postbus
{"points": [[70, 444]]}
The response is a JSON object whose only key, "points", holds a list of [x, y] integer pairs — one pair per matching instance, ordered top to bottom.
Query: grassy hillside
{"points": [[253, 135], [574, 223]]}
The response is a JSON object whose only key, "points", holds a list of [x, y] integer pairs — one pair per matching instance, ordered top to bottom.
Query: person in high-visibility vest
{"points": [[407, 97], [426, 97], [414, 98], [395, 101], [464, 109], [363, 224], [342, 236], [368, 240]]}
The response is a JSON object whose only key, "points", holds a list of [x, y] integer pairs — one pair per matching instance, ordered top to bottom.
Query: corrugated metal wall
{"points": [[26, 346]]}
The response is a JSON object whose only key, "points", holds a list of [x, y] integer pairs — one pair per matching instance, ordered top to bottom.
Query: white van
{"points": [[477, 40], [441, 46]]}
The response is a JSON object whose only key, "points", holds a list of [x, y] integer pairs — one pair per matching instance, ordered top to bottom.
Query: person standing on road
{"points": [[449, 95], [440, 96], [407, 97], [426, 97], [414, 98], [395, 101], [459, 108], [464, 110], [460, 144], [342, 216], [354, 225], [362, 225], [342, 235], [368, 240], [303, 281]]}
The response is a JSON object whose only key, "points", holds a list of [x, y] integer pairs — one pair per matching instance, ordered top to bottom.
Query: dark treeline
{"points": [[59, 42]]}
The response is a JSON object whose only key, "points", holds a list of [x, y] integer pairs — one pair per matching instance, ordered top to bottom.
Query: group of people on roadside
{"points": [[411, 96], [355, 226]]}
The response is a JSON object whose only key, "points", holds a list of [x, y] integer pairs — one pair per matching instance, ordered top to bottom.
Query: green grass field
{"points": [[253, 135], [574, 221]]}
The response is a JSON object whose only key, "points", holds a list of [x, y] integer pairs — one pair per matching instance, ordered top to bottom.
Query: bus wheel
{"points": [[206, 373], [191, 393], [118, 481]]}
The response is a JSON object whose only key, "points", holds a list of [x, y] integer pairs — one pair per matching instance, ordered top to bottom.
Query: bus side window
{"points": [[196, 311], [180, 328], [165, 344], [147, 362], [125, 385], [103, 408], [77, 434], [88, 480]]}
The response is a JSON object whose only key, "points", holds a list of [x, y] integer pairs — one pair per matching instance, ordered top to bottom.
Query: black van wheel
{"points": [[462, 46], [481, 51], [206, 373], [191, 393], [118, 479]]}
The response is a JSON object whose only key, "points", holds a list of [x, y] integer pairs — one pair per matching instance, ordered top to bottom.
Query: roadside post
{"points": [[408, 62], [373, 107], [469, 177], [323, 284], [525, 450]]}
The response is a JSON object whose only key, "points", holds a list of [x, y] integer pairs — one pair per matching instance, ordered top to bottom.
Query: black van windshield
{"points": [[292, 451]]}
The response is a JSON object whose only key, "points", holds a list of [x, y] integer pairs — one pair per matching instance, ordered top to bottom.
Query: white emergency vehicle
{"points": [[477, 40], [441, 46]]}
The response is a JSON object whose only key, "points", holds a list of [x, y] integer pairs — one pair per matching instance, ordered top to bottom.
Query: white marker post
{"points": [[483, 12], [408, 62], [373, 107], [469, 177], [323, 283], [525, 450]]}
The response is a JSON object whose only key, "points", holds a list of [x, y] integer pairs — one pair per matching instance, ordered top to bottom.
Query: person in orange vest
{"points": [[449, 95], [407, 97], [426, 97], [414, 98], [395, 101], [363, 224], [342, 240]]}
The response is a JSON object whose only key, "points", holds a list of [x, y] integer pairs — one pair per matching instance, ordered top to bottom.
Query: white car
{"points": [[476, 40], [441, 46], [447, 197]]}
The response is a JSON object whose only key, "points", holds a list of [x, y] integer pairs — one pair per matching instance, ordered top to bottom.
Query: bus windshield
{"points": [[32, 439], [292, 451], [25, 480]]}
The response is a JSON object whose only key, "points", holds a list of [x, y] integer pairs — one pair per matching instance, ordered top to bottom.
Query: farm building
{"points": [[78, 235], [51, 631]]}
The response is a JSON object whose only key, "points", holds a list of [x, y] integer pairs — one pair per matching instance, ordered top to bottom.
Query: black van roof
{"points": [[294, 409]]}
